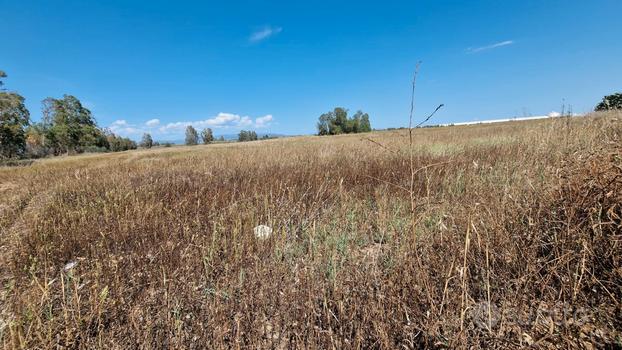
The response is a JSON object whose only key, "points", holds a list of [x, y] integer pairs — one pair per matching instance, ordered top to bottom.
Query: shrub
{"points": [[610, 102]]}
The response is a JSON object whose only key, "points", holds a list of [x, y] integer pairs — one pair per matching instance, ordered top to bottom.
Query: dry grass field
{"points": [[500, 236]]}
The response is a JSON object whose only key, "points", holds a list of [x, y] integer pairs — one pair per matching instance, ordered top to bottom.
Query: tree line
{"points": [[337, 122], [66, 127], [206, 136], [193, 137]]}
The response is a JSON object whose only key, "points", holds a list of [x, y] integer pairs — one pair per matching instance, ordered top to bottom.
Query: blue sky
{"points": [[275, 66]]}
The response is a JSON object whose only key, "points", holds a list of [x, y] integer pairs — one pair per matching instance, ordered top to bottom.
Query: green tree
{"points": [[610, 102], [14, 118], [341, 121], [337, 122], [324, 124], [354, 124], [364, 124], [70, 127], [247, 135], [192, 136], [207, 136], [243, 136], [93, 139], [147, 141], [36, 142], [118, 143]]}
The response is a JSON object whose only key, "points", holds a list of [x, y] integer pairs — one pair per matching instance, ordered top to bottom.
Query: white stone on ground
{"points": [[262, 232], [70, 265]]}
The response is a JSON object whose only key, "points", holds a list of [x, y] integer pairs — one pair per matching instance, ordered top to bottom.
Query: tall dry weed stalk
{"points": [[413, 170]]}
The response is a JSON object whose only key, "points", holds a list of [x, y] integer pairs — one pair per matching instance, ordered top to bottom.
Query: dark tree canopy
{"points": [[610, 102], [14, 118], [337, 122], [70, 127], [247, 135], [118, 144]]}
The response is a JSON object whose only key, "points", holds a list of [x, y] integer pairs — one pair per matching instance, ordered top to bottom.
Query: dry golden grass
{"points": [[514, 241]]}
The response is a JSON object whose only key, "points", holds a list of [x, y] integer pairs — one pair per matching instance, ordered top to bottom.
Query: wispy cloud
{"points": [[264, 33], [490, 47]]}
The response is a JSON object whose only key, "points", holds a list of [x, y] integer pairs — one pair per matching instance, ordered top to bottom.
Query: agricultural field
{"points": [[501, 235]]}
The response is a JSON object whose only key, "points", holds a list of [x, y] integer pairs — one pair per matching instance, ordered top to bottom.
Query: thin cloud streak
{"points": [[264, 34], [490, 47]]}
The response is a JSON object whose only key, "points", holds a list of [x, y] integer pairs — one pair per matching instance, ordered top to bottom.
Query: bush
{"points": [[610, 102]]}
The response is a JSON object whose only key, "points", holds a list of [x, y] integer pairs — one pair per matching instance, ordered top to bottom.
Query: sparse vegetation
{"points": [[514, 241]]}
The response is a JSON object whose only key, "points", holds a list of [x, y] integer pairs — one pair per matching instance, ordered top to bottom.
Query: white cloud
{"points": [[264, 33], [490, 47], [554, 114], [220, 121], [153, 122], [263, 122], [119, 123], [123, 128]]}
